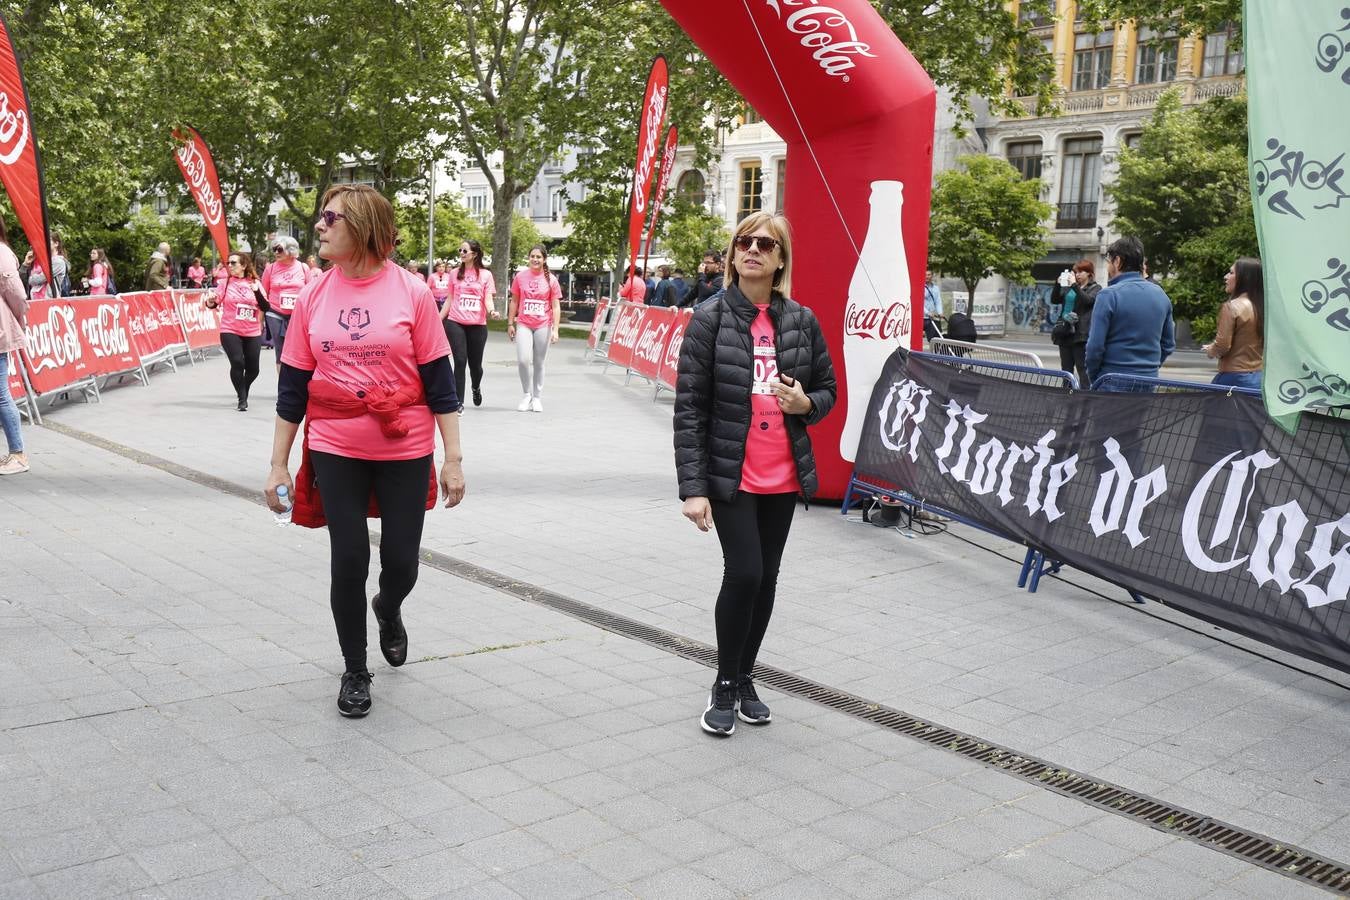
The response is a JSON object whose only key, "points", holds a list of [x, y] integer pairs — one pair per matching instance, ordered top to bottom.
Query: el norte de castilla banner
{"points": [[1198, 499]]}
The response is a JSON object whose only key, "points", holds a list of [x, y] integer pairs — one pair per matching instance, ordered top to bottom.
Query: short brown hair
{"points": [[369, 216], [777, 226], [1086, 265]]}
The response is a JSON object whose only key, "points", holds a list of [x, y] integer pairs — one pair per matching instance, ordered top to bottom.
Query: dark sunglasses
{"points": [[330, 218], [765, 244], [235, 262]]}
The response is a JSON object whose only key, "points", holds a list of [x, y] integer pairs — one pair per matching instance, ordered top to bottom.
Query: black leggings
{"points": [[466, 344], [242, 352], [1073, 358], [345, 485], [753, 529]]}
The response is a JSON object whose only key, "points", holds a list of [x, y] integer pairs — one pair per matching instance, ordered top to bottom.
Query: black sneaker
{"points": [[477, 397], [243, 405], [393, 636], [354, 695], [749, 707], [720, 716]]}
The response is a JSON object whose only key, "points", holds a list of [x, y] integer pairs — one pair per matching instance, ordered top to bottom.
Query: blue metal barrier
{"points": [[1115, 381]]}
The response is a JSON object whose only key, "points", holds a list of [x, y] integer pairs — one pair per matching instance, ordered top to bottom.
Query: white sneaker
{"points": [[524, 405], [536, 405], [461, 410], [14, 464]]}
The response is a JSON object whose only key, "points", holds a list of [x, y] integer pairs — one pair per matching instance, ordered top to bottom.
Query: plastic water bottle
{"points": [[284, 497]]}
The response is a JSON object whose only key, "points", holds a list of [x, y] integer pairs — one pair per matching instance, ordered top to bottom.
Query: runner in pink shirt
{"points": [[315, 270], [219, 274], [196, 275], [282, 281], [439, 282], [633, 290], [472, 291], [242, 304], [532, 322], [368, 371]]}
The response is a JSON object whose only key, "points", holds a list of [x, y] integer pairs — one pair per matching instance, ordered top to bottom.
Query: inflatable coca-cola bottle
{"points": [[877, 315]]}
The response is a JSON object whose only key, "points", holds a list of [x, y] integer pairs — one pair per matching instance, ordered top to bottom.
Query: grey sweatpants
{"points": [[531, 348]]}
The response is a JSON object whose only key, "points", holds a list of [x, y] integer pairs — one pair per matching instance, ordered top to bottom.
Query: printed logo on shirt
{"points": [[355, 321]]}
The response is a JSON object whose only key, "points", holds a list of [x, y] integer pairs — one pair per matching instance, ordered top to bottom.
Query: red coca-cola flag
{"points": [[651, 117], [20, 161], [194, 161], [667, 163]]}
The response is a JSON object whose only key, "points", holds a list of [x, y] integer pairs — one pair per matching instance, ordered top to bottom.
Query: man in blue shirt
{"points": [[932, 306], [1131, 331]]}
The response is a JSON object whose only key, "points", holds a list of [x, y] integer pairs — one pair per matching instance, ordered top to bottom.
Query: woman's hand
{"points": [[493, 314], [510, 331], [553, 336], [791, 398], [277, 477], [452, 482], [699, 511]]}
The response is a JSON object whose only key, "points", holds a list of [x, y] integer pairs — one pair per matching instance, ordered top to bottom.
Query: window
{"points": [[1028, 14], [1155, 57], [1221, 58], [1092, 60], [749, 116], [1131, 140], [1025, 157], [752, 183], [1080, 183], [780, 185], [691, 187], [524, 203], [161, 204], [556, 205], [478, 207]]}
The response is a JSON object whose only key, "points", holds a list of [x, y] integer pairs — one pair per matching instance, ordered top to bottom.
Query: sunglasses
{"points": [[330, 218], [764, 244], [462, 252], [234, 262]]}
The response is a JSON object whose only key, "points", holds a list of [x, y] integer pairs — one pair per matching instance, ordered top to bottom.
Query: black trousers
{"points": [[466, 345], [242, 352], [1073, 358], [345, 485], [753, 529]]}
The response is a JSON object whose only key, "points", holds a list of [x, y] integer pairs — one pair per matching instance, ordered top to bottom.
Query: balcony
{"points": [[1076, 215]]}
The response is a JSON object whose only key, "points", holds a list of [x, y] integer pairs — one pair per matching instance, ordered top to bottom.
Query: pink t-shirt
{"points": [[313, 273], [220, 274], [196, 276], [98, 280], [283, 285], [440, 286], [633, 290], [469, 296], [534, 298], [239, 312], [357, 334], [769, 467]]}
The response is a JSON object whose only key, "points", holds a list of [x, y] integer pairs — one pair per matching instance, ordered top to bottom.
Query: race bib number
{"points": [[288, 299], [469, 306], [535, 309], [246, 313], [766, 369]]}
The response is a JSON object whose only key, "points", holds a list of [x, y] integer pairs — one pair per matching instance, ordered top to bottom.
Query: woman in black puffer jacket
{"points": [[754, 372]]}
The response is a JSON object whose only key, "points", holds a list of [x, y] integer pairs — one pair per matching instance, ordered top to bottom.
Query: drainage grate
{"points": [[1249, 846]]}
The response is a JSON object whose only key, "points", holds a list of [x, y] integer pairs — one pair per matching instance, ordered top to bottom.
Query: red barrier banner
{"points": [[651, 116], [20, 161], [599, 320], [155, 324], [201, 325], [105, 329], [625, 335], [652, 338], [56, 356], [670, 360], [15, 380]]}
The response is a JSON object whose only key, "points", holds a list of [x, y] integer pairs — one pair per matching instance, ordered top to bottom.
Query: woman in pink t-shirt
{"points": [[315, 270], [100, 273], [220, 273], [196, 275], [282, 281], [439, 282], [242, 303], [466, 312], [532, 322], [368, 367], [754, 372]]}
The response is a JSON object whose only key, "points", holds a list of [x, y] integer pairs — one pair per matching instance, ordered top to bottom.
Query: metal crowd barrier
{"points": [[985, 352], [1143, 385]]}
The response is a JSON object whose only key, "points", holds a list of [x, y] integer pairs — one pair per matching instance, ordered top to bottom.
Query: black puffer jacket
{"points": [[712, 393]]}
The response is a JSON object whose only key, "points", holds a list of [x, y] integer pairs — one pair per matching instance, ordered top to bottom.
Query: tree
{"points": [[1203, 16], [1185, 192], [986, 220], [454, 224], [690, 231]]}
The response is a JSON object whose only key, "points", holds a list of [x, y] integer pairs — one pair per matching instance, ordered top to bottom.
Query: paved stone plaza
{"points": [[169, 665]]}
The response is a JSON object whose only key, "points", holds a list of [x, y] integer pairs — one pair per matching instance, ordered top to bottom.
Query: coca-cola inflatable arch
{"points": [[856, 110]]}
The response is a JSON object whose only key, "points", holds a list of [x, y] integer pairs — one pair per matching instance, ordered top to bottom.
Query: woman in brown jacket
{"points": [[13, 309], [1238, 343]]}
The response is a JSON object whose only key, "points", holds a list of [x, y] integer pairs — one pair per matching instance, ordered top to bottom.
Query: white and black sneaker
{"points": [[749, 707], [720, 716]]}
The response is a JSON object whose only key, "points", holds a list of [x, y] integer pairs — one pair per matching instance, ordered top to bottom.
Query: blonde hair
{"points": [[369, 216], [777, 226]]}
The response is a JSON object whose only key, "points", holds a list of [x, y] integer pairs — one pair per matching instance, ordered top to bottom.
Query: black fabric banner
{"points": [[1195, 498]]}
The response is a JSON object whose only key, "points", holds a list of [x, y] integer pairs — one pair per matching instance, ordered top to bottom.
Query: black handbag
{"points": [[1062, 333]]}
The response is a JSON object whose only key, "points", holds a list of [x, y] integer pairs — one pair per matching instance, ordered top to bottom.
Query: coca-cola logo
{"points": [[826, 32], [651, 124], [13, 131], [194, 167], [197, 317], [891, 323], [627, 328], [104, 332], [55, 342], [649, 347], [672, 360]]}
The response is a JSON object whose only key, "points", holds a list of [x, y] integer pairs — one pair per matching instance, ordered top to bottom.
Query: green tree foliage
{"points": [[1202, 16], [1185, 192], [986, 220], [453, 225], [690, 231]]}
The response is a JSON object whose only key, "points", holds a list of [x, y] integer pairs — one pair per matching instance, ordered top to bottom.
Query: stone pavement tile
{"points": [[533, 804], [351, 815], [461, 824], [574, 831], [259, 838], [687, 840], [381, 847], [802, 848], [506, 851], [39, 853], [916, 856], [186, 858], [624, 859], [297, 870], [442, 872], [1048, 874], [863, 876], [1154, 877], [101, 878], [562, 879], [985, 882], [223, 884], [1264, 884], [355, 886], [799, 887], [22, 889]]}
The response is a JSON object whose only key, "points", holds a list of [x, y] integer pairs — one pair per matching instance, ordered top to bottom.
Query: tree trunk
{"points": [[503, 203], [970, 292]]}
